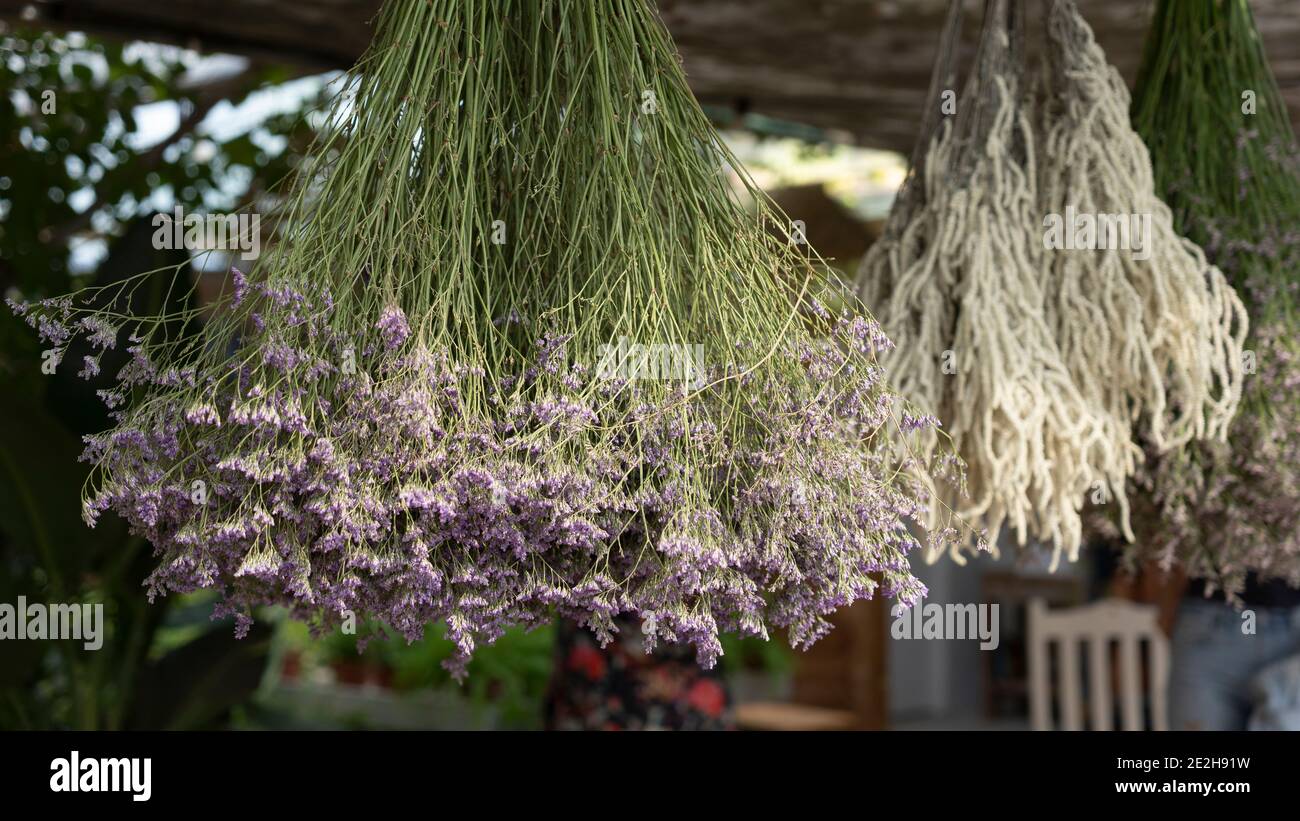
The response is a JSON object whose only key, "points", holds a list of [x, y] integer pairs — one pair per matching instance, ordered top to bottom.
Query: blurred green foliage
{"points": [[68, 134], [71, 171], [509, 675]]}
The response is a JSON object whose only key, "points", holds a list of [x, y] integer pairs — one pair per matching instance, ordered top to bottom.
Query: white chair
{"points": [[1097, 627]]}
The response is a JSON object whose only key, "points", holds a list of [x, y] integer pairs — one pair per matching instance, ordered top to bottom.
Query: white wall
{"points": [[943, 678]]}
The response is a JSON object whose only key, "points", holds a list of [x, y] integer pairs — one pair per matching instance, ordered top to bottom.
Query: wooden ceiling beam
{"points": [[855, 67]]}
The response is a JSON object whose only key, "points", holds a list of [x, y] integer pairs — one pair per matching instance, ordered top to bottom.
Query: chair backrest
{"points": [[1106, 630]]}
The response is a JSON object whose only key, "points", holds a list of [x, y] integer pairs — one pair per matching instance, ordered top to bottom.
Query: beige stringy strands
{"points": [[962, 277], [1156, 342], [1063, 360]]}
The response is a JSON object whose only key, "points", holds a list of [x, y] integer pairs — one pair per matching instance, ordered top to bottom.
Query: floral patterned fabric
{"points": [[621, 687]]}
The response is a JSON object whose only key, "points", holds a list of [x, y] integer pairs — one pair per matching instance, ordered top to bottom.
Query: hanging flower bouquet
{"points": [[1227, 161], [518, 352]]}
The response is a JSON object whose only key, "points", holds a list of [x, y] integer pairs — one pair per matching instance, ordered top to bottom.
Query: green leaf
{"points": [[40, 492], [195, 686]]}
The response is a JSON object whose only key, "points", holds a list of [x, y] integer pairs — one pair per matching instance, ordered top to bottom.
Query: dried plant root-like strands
{"points": [[901, 275], [955, 281], [1152, 333], [1015, 416]]}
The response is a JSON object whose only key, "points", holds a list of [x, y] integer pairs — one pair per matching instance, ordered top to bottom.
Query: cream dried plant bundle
{"points": [[955, 280], [1152, 333], [1048, 368]]}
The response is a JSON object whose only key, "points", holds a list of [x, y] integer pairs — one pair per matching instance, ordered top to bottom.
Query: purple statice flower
{"points": [[240, 282], [393, 327], [52, 330], [99, 332], [551, 352], [281, 356], [90, 367], [203, 414], [419, 487]]}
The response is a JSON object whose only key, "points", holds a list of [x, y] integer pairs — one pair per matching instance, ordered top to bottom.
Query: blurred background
{"points": [[192, 104]]}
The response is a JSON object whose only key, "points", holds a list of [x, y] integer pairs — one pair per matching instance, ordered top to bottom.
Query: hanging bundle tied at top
{"points": [[1227, 160], [1048, 362], [425, 403]]}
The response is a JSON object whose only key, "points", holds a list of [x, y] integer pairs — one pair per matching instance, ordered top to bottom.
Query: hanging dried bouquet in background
{"points": [[1227, 162], [1049, 367]]}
